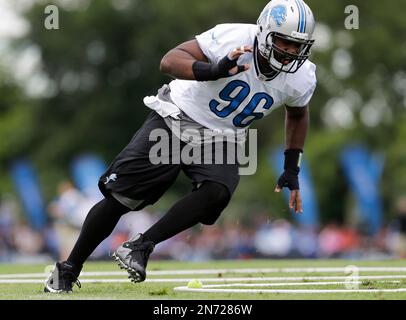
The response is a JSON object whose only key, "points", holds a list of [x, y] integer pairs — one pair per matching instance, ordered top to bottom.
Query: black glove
{"points": [[204, 71], [290, 177]]}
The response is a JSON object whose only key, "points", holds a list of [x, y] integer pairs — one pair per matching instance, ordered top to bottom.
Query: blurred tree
{"points": [[17, 120]]}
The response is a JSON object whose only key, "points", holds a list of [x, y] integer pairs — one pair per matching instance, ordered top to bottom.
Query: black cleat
{"points": [[133, 256], [62, 278]]}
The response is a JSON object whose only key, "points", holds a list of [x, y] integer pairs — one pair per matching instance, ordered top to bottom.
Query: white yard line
{"points": [[278, 270], [214, 271], [44, 275], [222, 280], [226, 280], [20, 281], [226, 284], [287, 284], [295, 291]]}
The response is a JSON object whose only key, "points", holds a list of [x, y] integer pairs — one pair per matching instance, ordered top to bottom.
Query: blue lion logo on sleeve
{"points": [[279, 13]]}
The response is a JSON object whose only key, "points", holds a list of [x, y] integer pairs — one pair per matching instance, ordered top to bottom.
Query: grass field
{"points": [[155, 288]]}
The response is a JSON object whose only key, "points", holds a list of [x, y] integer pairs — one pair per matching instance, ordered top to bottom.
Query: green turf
{"points": [[157, 291]]}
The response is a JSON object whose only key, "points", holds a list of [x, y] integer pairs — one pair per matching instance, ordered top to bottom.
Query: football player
{"points": [[225, 78]]}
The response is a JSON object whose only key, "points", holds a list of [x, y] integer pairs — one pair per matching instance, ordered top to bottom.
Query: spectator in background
{"points": [[69, 212], [8, 214], [132, 223], [275, 239], [349, 240], [238, 241], [330, 241], [28, 242], [305, 242], [400, 247]]}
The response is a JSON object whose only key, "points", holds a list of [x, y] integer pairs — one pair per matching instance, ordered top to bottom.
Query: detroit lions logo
{"points": [[278, 13], [112, 177]]}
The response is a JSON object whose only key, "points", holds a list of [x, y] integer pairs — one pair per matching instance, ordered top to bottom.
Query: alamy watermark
{"points": [[352, 20], [51, 21], [192, 146], [351, 277]]}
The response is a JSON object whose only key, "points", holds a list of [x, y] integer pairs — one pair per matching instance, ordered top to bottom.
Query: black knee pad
{"points": [[218, 197]]}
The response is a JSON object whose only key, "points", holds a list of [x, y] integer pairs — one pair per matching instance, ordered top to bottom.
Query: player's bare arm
{"points": [[178, 62], [188, 62], [296, 127]]}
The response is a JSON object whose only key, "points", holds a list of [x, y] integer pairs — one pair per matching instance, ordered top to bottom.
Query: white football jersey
{"points": [[237, 101]]}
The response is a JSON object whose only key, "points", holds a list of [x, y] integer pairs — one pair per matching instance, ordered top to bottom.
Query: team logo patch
{"points": [[279, 13], [112, 177]]}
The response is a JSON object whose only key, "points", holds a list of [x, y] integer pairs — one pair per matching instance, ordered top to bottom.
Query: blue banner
{"points": [[86, 170], [363, 172], [28, 190], [310, 215]]}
